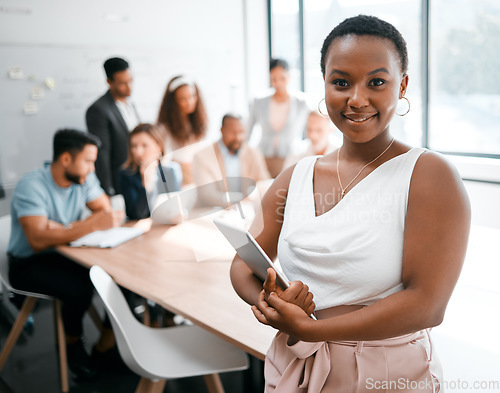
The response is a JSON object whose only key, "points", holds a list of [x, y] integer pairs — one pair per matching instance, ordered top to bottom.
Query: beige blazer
{"points": [[209, 173]]}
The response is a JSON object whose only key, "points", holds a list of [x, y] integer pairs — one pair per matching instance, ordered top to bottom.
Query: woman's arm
{"points": [[265, 229], [435, 241]]}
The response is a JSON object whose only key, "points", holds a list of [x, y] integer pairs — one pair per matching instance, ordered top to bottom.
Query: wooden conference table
{"points": [[185, 269]]}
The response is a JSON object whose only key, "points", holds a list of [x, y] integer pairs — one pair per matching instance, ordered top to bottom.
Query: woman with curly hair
{"points": [[183, 120]]}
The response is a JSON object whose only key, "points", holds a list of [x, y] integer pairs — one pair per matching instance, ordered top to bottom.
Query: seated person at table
{"points": [[318, 142], [223, 169], [138, 185], [46, 209]]}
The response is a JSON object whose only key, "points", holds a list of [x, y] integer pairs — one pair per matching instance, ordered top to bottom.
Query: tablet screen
{"points": [[250, 251]]}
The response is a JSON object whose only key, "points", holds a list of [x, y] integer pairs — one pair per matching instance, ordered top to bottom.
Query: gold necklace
{"points": [[342, 189]]}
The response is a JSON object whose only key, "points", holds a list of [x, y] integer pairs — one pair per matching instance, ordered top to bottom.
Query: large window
{"points": [[285, 37], [454, 63], [464, 74]]}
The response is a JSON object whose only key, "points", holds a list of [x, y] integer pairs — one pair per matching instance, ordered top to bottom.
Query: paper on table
{"points": [[106, 239]]}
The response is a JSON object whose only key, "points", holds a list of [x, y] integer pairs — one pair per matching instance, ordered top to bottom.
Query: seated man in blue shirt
{"points": [[46, 209]]}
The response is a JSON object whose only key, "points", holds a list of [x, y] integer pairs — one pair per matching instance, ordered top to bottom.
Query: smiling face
{"points": [[363, 82]]}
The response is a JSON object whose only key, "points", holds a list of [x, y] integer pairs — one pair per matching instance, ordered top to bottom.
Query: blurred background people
{"points": [[281, 115], [111, 118], [183, 120], [319, 139], [224, 170], [140, 180]]}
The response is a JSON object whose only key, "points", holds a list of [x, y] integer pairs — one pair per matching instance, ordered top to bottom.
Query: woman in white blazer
{"points": [[282, 116]]}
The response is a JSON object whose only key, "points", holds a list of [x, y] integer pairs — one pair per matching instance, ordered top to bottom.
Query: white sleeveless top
{"points": [[352, 254]]}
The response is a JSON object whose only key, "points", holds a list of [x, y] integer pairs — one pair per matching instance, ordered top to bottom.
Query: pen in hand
{"points": [[162, 174]]}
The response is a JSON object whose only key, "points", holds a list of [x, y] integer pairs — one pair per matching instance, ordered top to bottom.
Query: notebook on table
{"points": [[107, 239]]}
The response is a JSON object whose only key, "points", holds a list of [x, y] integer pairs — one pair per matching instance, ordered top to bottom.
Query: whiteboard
{"points": [[26, 140]]}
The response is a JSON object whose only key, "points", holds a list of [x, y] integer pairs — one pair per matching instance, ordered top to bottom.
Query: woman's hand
{"points": [[148, 174], [187, 176], [297, 293], [286, 310], [282, 315]]}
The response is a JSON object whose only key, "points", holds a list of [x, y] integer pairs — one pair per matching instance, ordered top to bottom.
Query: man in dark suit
{"points": [[111, 118]]}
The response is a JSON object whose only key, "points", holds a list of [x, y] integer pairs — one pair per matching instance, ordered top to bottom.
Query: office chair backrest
{"points": [[5, 229], [164, 353]]}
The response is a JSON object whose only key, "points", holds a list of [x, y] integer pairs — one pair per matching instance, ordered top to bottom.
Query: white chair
{"points": [[27, 308], [158, 354]]}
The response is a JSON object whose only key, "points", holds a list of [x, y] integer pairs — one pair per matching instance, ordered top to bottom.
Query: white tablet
{"points": [[251, 253]]}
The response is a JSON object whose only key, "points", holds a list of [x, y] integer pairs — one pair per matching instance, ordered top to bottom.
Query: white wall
{"points": [[211, 32], [222, 44], [257, 45]]}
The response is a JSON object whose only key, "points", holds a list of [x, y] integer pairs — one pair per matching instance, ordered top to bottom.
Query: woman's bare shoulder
{"points": [[431, 165], [435, 179]]}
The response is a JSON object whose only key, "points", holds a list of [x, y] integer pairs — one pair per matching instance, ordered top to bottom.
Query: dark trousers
{"points": [[53, 274]]}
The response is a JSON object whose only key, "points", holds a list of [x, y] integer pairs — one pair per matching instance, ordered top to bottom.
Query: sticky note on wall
{"points": [[16, 73], [50, 83], [37, 93], [30, 108]]}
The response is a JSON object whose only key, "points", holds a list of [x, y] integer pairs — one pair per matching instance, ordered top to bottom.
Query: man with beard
{"points": [[111, 118], [225, 172], [46, 209]]}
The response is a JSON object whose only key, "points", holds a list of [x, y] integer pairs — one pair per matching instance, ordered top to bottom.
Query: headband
{"points": [[181, 81]]}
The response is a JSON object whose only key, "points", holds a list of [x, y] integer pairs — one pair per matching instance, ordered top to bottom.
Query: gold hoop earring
{"points": [[409, 106], [319, 109]]}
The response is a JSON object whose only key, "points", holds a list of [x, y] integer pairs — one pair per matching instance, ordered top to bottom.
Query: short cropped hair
{"points": [[367, 25], [279, 63], [114, 65], [228, 116], [72, 142]]}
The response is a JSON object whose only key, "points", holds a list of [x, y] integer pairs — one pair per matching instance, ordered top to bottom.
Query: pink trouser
{"points": [[400, 364]]}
